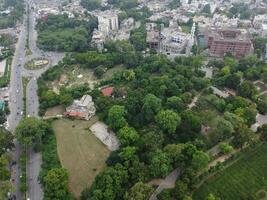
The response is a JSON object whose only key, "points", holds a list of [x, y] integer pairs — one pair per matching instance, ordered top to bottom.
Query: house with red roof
{"points": [[107, 91], [81, 109]]}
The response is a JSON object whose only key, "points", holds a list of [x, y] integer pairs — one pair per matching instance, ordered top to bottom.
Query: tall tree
{"points": [[247, 89], [151, 106], [116, 117], [168, 120], [30, 131], [243, 135], [128, 136], [6, 141], [200, 160], [160, 164], [56, 184], [109, 184], [139, 191]]}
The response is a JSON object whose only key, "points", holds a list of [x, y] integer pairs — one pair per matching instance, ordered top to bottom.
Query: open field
{"points": [[56, 110], [80, 152], [245, 179]]}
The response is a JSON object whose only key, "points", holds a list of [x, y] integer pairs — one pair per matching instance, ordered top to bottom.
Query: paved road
{"points": [[16, 99], [168, 182], [35, 191]]}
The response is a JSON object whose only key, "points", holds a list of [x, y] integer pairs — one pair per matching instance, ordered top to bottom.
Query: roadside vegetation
{"points": [[39, 135], [6, 144]]}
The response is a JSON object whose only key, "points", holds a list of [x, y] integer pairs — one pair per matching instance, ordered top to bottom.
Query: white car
{"points": [[17, 91]]}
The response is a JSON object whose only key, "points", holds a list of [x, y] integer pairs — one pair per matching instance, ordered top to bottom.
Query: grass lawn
{"points": [[186, 29], [80, 152], [245, 179]]}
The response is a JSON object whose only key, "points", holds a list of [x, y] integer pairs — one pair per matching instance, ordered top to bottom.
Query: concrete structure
{"points": [[44, 12], [259, 20], [107, 22], [153, 36], [153, 39], [98, 40], [173, 41], [234, 41], [2, 67], [82, 109]]}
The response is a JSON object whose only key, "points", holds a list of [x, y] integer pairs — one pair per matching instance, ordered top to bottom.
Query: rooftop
{"points": [[230, 35], [107, 91]]}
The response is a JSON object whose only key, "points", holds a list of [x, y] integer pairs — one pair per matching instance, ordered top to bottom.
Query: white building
{"points": [[43, 12], [259, 20], [108, 22], [173, 41]]}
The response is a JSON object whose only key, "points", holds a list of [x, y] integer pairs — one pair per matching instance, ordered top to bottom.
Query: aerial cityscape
{"points": [[133, 99]]}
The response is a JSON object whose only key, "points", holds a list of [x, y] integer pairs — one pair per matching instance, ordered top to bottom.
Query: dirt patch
{"points": [[54, 111]]}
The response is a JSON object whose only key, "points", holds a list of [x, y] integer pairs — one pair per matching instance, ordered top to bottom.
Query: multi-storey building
{"points": [[107, 22], [173, 41], [222, 41]]}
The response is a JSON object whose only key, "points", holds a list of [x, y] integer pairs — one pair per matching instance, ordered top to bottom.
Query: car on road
{"points": [[17, 91], [15, 101]]}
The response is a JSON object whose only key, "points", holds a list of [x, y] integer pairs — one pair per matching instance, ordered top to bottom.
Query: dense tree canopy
{"points": [[91, 4], [62, 33], [151, 106], [116, 117], [168, 120], [31, 130], [128, 136], [6, 141], [56, 184], [139, 191]]}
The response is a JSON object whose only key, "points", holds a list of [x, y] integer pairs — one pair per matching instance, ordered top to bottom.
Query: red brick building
{"points": [[234, 41]]}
